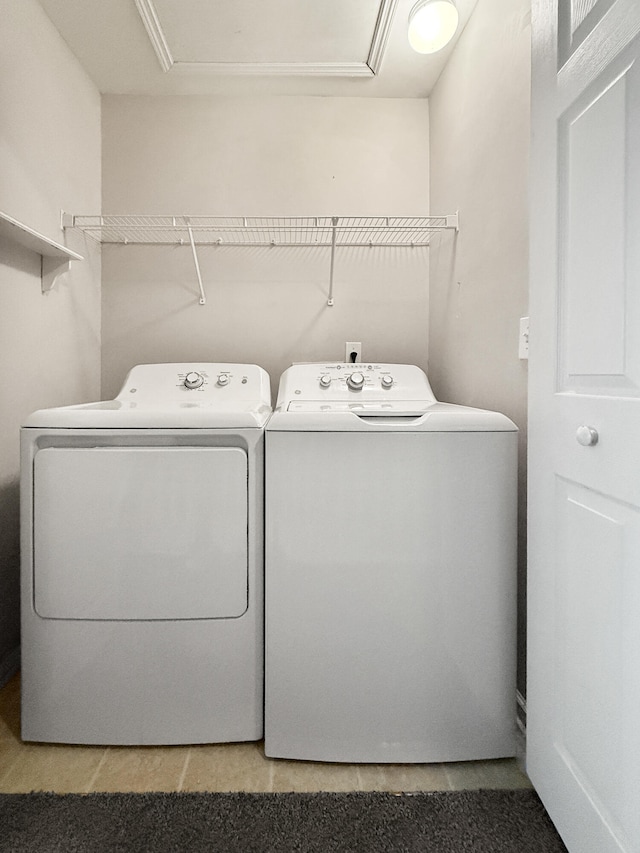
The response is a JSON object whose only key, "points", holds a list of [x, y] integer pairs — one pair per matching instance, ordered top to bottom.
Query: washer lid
{"points": [[173, 396], [436, 417]]}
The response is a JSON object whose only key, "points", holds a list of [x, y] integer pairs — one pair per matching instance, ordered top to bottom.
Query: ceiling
{"points": [[344, 48]]}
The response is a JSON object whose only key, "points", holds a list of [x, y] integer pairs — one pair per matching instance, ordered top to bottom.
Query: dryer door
{"points": [[140, 533]]}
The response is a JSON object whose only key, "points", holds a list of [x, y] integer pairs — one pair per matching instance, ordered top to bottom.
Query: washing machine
{"points": [[142, 561], [390, 573]]}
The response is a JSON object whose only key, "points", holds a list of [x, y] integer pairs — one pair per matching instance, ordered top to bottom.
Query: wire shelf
{"points": [[264, 231], [330, 231]]}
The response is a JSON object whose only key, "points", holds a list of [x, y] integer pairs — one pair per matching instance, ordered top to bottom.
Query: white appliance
{"points": [[142, 561], [390, 571]]}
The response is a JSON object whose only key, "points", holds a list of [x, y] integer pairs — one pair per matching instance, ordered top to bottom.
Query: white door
{"points": [[583, 732]]}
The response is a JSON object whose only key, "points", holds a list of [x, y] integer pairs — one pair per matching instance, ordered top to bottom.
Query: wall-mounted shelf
{"points": [[330, 231], [55, 257]]}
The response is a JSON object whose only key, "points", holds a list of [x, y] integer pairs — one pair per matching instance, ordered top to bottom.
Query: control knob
{"points": [[193, 379], [223, 379], [325, 380], [356, 381], [386, 381]]}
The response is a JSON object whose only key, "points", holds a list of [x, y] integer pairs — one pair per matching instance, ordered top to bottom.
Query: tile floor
{"points": [[28, 767]]}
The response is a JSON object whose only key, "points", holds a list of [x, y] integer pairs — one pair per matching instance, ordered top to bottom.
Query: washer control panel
{"points": [[355, 377], [336, 386]]}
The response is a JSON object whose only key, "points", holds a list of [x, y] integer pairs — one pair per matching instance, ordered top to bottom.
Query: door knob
{"points": [[587, 436]]}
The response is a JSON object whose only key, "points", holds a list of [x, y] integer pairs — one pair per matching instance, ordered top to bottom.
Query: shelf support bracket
{"points": [[453, 221], [334, 223], [51, 269], [203, 298]]}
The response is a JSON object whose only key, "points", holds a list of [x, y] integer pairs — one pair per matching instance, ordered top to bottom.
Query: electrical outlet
{"points": [[350, 348]]}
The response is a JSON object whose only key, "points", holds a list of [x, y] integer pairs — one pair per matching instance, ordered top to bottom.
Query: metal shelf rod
{"points": [[333, 257], [203, 298]]}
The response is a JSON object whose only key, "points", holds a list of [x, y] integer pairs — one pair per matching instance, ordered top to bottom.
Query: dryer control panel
{"points": [[196, 382], [336, 386]]}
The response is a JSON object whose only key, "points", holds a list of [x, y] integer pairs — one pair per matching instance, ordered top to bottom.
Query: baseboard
{"points": [[9, 665]]}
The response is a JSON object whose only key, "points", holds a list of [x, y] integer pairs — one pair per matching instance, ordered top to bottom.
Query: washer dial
{"points": [[223, 379], [325, 380], [356, 381], [386, 381]]}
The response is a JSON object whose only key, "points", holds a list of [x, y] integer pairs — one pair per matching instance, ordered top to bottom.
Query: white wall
{"points": [[297, 156], [479, 165], [49, 344]]}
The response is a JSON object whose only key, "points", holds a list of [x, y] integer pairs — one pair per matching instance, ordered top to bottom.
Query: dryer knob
{"points": [[223, 379], [193, 380], [325, 380], [356, 381], [387, 381]]}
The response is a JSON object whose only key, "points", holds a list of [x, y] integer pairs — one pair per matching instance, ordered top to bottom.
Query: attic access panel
{"points": [[271, 37]]}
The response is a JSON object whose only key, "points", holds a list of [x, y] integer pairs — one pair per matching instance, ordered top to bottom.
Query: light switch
{"points": [[523, 339]]}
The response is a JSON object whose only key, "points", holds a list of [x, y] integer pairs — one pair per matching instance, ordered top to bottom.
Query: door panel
{"points": [[579, 10], [576, 19], [603, 35], [597, 143], [593, 150], [140, 533], [597, 588], [592, 773]]}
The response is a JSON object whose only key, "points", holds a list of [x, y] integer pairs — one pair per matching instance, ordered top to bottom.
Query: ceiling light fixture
{"points": [[432, 25]]}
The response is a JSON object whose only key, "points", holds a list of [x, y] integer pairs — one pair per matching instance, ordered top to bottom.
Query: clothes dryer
{"points": [[142, 561], [390, 571]]}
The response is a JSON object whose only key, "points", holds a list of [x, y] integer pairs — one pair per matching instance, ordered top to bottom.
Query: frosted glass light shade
{"points": [[432, 25]]}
